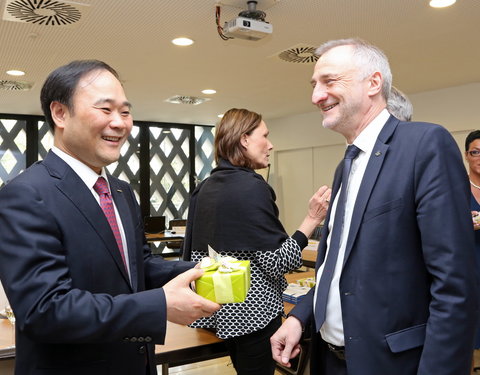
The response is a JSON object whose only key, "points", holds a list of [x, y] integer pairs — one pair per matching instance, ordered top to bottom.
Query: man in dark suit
{"points": [[87, 294], [402, 297]]}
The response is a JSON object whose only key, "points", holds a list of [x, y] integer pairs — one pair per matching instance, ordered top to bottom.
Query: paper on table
{"points": [[312, 245]]}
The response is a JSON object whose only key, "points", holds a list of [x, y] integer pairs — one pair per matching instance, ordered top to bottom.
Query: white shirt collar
{"points": [[365, 141], [88, 176]]}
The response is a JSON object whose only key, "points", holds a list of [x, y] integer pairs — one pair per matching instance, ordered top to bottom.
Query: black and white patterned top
{"points": [[264, 299]]}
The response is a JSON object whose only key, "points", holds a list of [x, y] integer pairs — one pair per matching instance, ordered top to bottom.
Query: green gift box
{"points": [[225, 287]]}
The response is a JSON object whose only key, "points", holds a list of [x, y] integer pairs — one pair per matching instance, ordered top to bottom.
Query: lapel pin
{"points": [[378, 153], [120, 190]]}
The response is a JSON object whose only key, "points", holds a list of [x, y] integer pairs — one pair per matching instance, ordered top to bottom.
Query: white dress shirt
{"points": [[89, 177], [332, 328]]}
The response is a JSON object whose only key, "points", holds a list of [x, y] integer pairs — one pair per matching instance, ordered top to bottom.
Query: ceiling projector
{"points": [[247, 28]]}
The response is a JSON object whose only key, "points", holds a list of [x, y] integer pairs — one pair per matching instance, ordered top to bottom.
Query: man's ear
{"points": [[376, 82], [59, 113]]}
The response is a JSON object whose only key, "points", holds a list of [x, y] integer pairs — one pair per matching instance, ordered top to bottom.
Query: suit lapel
{"points": [[374, 166], [72, 186], [119, 197]]}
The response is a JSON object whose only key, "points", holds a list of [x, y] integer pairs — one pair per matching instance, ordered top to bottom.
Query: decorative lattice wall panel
{"points": [[13, 145], [204, 158], [127, 168], [169, 172]]}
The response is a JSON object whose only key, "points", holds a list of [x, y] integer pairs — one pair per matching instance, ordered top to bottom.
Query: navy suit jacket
{"points": [[408, 287], [76, 310]]}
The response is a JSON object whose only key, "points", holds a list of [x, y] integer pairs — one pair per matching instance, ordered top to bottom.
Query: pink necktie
{"points": [[101, 188]]}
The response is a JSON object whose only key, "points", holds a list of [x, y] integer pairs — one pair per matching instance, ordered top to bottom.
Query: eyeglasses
{"points": [[474, 153]]}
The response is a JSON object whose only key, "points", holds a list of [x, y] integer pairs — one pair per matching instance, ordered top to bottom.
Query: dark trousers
{"points": [[251, 354], [329, 363]]}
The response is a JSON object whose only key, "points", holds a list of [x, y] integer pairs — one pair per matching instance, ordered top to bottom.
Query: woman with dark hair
{"points": [[472, 156], [234, 212]]}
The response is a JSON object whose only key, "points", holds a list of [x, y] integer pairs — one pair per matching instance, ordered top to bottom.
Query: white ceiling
{"points": [[428, 49]]}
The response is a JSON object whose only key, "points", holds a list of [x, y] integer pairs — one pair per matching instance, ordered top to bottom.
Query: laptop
{"points": [[154, 224]]}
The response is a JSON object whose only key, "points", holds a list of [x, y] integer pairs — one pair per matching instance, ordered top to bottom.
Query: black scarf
{"points": [[232, 210]]}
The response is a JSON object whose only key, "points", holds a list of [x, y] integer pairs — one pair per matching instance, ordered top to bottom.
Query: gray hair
{"points": [[368, 58], [399, 105]]}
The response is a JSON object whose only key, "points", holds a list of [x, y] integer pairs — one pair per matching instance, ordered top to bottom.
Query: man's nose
{"points": [[319, 94]]}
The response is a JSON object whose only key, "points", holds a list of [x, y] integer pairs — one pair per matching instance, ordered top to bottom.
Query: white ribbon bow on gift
{"points": [[222, 282]]}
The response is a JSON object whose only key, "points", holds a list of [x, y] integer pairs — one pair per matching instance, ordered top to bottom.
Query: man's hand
{"points": [[183, 305], [286, 341]]}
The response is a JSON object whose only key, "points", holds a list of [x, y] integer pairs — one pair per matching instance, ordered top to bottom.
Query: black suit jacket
{"points": [[408, 287], [77, 311]]}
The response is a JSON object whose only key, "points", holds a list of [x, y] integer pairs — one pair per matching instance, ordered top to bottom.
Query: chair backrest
{"points": [[177, 223], [154, 224], [317, 233]]}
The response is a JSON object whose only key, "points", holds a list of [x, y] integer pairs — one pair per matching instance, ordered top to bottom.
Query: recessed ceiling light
{"points": [[441, 3], [182, 41], [15, 72], [209, 91]]}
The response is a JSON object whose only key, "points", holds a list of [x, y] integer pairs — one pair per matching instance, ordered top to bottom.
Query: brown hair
{"points": [[234, 124]]}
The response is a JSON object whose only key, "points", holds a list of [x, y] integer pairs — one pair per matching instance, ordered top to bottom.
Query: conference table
{"points": [[165, 236], [166, 243], [309, 254], [309, 257], [291, 278], [7, 339], [183, 345]]}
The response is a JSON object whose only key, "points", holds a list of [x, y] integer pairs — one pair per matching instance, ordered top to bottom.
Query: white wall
{"points": [[456, 108], [299, 184]]}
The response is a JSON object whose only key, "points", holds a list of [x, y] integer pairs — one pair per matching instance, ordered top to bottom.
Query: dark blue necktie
{"points": [[327, 274]]}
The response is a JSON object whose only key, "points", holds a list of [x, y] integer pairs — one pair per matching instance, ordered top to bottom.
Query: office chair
{"points": [[177, 223], [175, 246]]}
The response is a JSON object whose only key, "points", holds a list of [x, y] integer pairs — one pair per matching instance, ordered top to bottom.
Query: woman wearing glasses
{"points": [[472, 155]]}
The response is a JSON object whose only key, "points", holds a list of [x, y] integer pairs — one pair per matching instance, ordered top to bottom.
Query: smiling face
{"points": [[339, 91], [99, 122], [257, 147], [473, 161]]}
